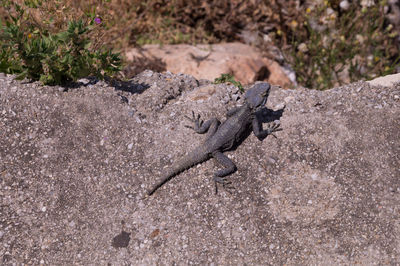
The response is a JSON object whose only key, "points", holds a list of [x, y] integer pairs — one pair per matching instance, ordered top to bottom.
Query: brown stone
{"points": [[245, 62]]}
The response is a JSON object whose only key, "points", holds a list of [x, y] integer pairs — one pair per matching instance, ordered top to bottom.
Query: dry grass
{"points": [[154, 21], [128, 23]]}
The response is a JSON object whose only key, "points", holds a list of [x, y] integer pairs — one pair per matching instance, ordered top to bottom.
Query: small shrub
{"points": [[53, 58], [229, 78]]}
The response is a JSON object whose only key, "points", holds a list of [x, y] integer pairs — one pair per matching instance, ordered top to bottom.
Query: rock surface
{"points": [[210, 61], [386, 81], [75, 165]]}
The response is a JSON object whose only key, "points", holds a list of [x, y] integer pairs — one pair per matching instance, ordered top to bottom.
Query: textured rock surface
{"points": [[210, 61], [386, 81], [75, 164]]}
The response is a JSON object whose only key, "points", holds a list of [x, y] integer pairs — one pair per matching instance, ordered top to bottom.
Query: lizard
{"points": [[225, 136]]}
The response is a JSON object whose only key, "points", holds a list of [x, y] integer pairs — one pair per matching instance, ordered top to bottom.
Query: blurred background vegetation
{"points": [[326, 43]]}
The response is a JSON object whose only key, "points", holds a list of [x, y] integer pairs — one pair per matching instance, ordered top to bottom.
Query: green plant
{"points": [[332, 48], [52, 58], [228, 78]]}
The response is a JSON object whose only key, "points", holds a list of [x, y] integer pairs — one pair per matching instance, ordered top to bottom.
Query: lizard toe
{"points": [[226, 184]]}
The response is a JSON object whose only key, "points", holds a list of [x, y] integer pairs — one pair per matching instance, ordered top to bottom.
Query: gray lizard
{"points": [[225, 136]]}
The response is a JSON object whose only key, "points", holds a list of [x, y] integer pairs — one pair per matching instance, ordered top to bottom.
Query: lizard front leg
{"points": [[201, 127], [262, 134], [219, 176]]}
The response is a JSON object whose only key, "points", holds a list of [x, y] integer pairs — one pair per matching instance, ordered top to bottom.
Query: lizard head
{"points": [[257, 95]]}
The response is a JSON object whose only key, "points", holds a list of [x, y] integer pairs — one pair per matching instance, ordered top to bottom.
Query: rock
{"points": [[344, 5], [210, 61], [386, 81], [203, 93], [326, 191]]}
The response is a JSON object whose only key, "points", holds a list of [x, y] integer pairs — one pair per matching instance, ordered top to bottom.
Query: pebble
{"points": [[344, 5], [148, 74], [84, 81], [235, 97], [289, 99], [224, 100], [279, 106]]}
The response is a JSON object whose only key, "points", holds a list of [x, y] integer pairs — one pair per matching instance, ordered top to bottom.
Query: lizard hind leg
{"points": [[220, 175]]}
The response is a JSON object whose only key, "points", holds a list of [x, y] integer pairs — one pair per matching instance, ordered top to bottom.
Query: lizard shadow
{"points": [[117, 84], [129, 86], [266, 115]]}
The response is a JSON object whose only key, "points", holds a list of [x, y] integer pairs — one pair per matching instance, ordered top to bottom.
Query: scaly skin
{"points": [[225, 136]]}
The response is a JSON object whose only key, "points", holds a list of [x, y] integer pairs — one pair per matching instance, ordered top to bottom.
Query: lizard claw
{"points": [[191, 119], [196, 120], [273, 127], [226, 184]]}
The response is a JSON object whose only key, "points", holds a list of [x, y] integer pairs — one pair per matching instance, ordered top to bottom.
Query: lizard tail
{"points": [[195, 157]]}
